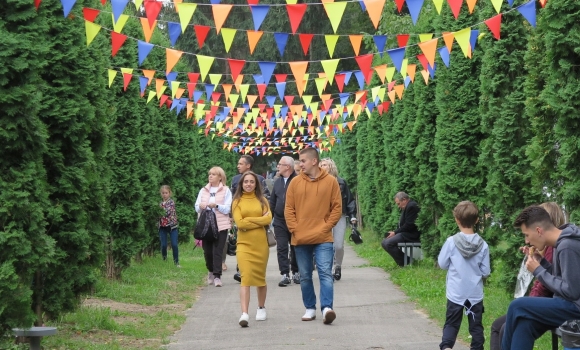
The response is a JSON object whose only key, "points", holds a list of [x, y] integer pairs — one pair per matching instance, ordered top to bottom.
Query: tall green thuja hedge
{"points": [[561, 37], [458, 134], [25, 247]]}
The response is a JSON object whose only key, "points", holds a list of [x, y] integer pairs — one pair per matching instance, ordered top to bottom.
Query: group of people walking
{"points": [[308, 210]]}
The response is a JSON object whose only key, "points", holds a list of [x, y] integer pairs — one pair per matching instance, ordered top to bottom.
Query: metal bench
{"points": [[409, 245], [556, 333], [35, 334]]}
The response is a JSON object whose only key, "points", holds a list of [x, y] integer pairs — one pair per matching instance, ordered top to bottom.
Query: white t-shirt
{"points": [[212, 192]]}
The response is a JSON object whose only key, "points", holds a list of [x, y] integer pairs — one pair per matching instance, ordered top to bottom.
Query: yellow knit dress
{"points": [[252, 251]]}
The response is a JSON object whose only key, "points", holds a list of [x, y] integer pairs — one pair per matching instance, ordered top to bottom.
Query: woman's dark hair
{"points": [[258, 191]]}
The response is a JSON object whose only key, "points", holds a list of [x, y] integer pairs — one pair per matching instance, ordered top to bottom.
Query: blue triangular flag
{"points": [[215, 2], [510, 2], [67, 5], [362, 5], [414, 7], [118, 8], [528, 10], [259, 12], [174, 32], [473, 39], [281, 40], [380, 41], [144, 50], [444, 53], [397, 56], [267, 69], [432, 70], [171, 76], [347, 77], [258, 78], [360, 78], [143, 81], [407, 81], [281, 87], [208, 90], [197, 95], [343, 97], [271, 100], [174, 104], [371, 105], [180, 108], [284, 112]]}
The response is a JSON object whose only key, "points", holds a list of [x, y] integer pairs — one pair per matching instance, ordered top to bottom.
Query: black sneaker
{"points": [[337, 274], [238, 277], [296, 277], [284, 281]]}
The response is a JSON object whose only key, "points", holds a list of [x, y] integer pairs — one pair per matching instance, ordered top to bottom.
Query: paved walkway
{"points": [[371, 313]]}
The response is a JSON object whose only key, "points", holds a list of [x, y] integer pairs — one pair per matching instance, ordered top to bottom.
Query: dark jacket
{"points": [[236, 180], [278, 199], [348, 202], [407, 226]]}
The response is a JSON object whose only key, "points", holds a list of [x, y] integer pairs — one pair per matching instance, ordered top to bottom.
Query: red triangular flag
{"points": [[103, 2], [253, 2], [37, 3], [399, 4], [455, 6], [152, 9], [88, 13], [295, 13], [494, 25], [201, 33], [403, 39], [117, 40], [305, 40], [423, 59], [365, 62], [236, 67], [193, 77], [280, 78], [339, 78], [126, 79], [191, 89], [261, 90], [215, 96], [289, 99], [162, 100], [386, 106]]}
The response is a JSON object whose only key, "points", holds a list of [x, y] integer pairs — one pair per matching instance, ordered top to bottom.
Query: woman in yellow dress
{"points": [[251, 213]]}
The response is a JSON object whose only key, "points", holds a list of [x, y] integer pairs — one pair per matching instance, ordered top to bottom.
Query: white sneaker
{"points": [[210, 278], [217, 282], [261, 314], [309, 315], [328, 315], [244, 320]]}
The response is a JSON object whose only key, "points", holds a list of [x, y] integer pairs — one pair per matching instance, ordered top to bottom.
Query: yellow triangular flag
{"points": [[291, 2], [176, 3], [138, 4], [438, 5], [497, 5], [335, 11], [185, 13], [118, 26], [92, 30], [228, 37], [425, 37], [462, 37], [331, 43], [205, 63], [329, 67], [404, 67], [127, 70], [390, 73], [112, 75], [215, 78], [320, 84], [160, 87], [174, 87], [244, 91], [382, 91], [375, 92], [151, 95], [234, 99], [307, 99]]}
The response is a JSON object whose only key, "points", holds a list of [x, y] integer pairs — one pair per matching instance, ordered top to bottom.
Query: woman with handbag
{"points": [[217, 197], [251, 213]]}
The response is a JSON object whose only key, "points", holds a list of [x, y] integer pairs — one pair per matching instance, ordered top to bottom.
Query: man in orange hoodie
{"points": [[313, 207]]}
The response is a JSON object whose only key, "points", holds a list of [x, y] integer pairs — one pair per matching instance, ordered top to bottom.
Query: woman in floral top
{"points": [[168, 225]]}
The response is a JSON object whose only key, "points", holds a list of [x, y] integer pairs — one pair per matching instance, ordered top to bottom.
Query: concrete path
{"points": [[371, 313]]}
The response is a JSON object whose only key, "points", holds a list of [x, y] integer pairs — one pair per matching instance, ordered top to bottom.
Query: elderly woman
{"points": [[215, 196], [348, 210], [251, 214]]}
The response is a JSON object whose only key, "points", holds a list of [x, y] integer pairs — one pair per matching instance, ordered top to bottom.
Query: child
{"points": [[168, 225], [466, 257]]}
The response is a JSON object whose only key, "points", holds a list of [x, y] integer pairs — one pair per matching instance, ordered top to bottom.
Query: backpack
{"points": [[206, 228]]}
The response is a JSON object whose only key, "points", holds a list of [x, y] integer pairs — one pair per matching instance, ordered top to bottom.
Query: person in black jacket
{"points": [[348, 212], [407, 230], [283, 235]]}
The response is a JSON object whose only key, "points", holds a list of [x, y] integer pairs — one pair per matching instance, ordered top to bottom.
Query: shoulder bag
{"points": [[206, 228]]}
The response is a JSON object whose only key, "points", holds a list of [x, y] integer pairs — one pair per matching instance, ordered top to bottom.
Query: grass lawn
{"points": [[424, 283]]}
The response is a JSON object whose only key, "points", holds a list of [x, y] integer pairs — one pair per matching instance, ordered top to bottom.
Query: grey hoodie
{"points": [[562, 276]]}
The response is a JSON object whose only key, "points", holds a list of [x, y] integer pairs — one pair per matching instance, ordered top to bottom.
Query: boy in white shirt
{"points": [[465, 256]]}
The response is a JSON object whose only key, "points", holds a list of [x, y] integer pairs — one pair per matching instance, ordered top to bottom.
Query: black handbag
{"points": [[206, 228], [355, 235], [232, 241]]}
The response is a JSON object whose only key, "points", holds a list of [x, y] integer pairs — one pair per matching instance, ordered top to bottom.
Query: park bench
{"points": [[408, 247], [35, 334]]}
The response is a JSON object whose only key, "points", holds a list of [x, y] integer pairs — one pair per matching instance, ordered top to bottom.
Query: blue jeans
{"points": [[163, 232], [323, 255], [530, 317]]}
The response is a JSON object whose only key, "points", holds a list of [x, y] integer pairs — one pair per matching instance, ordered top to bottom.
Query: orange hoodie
{"points": [[313, 207]]}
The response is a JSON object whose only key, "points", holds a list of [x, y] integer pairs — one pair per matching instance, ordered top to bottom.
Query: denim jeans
{"points": [[163, 232], [323, 256], [530, 317]]}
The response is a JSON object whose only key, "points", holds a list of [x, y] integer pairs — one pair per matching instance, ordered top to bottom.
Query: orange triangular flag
{"points": [[471, 5], [375, 10], [220, 14], [147, 31], [253, 38], [448, 38], [355, 40], [429, 48], [172, 58], [411, 69], [298, 70], [381, 71], [148, 74], [425, 76], [399, 90]]}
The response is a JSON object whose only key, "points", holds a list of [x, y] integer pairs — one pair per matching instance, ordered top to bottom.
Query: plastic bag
{"points": [[525, 277], [571, 334]]}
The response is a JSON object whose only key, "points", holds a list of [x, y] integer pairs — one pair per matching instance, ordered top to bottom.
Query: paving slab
{"points": [[371, 313]]}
